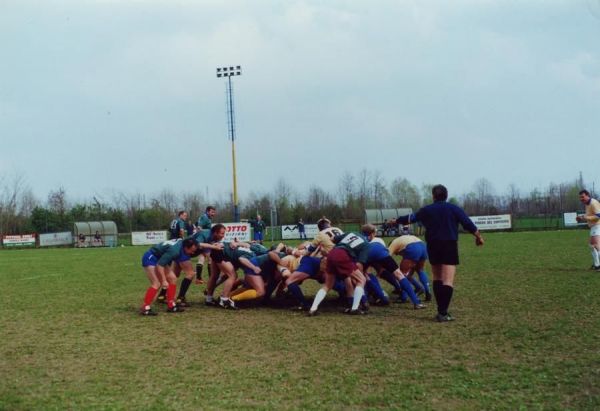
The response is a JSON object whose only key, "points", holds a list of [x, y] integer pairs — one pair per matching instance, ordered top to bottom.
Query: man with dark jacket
{"points": [[441, 220]]}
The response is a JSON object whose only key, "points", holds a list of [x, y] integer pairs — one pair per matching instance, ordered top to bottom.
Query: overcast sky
{"points": [[122, 95]]}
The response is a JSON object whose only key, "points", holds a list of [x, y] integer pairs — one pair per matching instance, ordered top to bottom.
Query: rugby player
{"points": [[592, 218], [204, 223], [177, 226], [176, 230], [207, 240], [414, 256], [380, 258], [227, 260], [346, 260], [313, 261], [157, 265], [261, 284]]}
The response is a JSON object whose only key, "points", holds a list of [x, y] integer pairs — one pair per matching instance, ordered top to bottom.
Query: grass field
{"points": [[527, 336]]}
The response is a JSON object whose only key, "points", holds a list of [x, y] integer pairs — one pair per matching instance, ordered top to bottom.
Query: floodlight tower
{"points": [[230, 72]]}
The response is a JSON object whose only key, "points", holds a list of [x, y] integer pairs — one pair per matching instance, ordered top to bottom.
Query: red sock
{"points": [[150, 294], [171, 295]]}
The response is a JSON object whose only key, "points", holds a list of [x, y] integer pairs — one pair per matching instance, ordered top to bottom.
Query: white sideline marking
{"points": [[39, 276]]}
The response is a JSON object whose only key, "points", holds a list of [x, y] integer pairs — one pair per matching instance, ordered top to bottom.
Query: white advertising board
{"points": [[570, 220], [492, 222], [237, 231], [290, 232], [148, 237], [54, 239], [25, 240]]}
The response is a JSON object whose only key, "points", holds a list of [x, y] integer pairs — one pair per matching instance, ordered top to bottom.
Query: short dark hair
{"points": [[439, 192], [587, 193], [210, 208], [181, 213], [323, 223], [216, 228], [189, 242]]}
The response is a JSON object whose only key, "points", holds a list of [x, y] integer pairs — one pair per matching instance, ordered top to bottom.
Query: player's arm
{"points": [[594, 214], [407, 219], [468, 225], [236, 244], [211, 246], [274, 256], [246, 263], [162, 277]]}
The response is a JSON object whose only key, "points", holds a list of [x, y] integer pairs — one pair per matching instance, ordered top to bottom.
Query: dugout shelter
{"points": [[377, 216], [95, 234]]}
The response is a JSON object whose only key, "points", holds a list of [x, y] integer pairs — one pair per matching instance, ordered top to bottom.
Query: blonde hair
{"points": [[368, 229]]}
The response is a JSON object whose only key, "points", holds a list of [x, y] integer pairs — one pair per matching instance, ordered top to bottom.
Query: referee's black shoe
{"points": [[444, 318]]}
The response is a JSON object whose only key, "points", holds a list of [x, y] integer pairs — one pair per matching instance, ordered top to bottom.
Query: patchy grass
{"points": [[527, 335]]}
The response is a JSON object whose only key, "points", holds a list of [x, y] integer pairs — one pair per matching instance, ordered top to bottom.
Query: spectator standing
{"points": [[259, 227], [301, 229]]}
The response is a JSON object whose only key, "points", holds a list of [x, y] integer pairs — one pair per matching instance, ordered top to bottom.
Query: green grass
{"points": [[527, 336]]}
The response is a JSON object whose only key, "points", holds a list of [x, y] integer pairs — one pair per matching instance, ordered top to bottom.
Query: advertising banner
{"points": [[570, 220], [492, 222], [237, 231], [290, 232], [148, 237], [54, 239], [25, 240]]}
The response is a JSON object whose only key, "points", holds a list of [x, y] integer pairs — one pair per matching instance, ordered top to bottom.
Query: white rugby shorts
{"points": [[595, 230]]}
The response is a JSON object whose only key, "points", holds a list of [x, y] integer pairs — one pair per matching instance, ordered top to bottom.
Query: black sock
{"points": [[199, 271], [185, 284], [163, 292], [437, 292], [447, 293]]}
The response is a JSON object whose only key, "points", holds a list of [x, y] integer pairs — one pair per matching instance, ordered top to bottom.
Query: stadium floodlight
{"points": [[230, 72]]}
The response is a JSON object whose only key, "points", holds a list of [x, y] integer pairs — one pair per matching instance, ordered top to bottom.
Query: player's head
{"points": [[439, 193], [584, 196], [211, 211], [183, 215], [323, 223], [368, 230], [218, 232], [189, 246]]}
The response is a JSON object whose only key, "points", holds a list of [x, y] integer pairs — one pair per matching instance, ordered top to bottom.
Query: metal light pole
{"points": [[230, 72]]}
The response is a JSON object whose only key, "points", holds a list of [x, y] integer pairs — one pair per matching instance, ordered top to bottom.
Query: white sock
{"points": [[595, 256], [358, 293], [209, 298], [318, 298]]}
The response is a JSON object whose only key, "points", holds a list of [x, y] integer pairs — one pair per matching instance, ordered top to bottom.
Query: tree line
{"points": [[21, 212]]}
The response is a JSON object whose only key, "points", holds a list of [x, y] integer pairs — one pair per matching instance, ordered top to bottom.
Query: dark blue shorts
{"points": [[258, 236], [415, 252], [149, 259], [309, 265], [249, 271]]}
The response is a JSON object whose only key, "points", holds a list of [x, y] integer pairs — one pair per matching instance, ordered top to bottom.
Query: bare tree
{"points": [[380, 192], [404, 194], [193, 203]]}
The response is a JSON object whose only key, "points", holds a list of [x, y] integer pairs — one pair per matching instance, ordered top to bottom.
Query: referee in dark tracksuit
{"points": [[441, 221]]}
